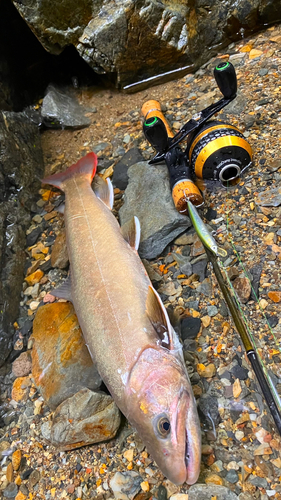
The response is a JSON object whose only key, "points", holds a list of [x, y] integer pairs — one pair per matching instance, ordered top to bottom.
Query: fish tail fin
{"points": [[85, 167]]}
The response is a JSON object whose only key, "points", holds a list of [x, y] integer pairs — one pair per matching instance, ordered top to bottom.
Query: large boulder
{"points": [[137, 39], [21, 166]]}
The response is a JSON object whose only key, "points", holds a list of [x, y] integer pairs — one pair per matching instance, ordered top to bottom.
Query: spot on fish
{"points": [[143, 408]]}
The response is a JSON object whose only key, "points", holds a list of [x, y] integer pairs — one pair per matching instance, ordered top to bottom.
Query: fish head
{"points": [[163, 410]]}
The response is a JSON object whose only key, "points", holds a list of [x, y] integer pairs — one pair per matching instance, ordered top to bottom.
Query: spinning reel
{"points": [[215, 150]]}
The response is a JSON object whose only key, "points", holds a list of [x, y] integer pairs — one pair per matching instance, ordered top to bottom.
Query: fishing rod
{"points": [[268, 389]]}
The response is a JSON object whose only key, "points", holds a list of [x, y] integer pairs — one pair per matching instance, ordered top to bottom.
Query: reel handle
{"points": [[226, 79], [153, 108], [155, 132], [158, 133]]}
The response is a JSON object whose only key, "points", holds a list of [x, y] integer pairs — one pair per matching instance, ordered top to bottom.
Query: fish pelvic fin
{"points": [[85, 167], [103, 189], [131, 232], [63, 291], [159, 318]]}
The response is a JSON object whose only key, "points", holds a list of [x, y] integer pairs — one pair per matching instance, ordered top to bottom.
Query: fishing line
{"points": [[277, 343]]}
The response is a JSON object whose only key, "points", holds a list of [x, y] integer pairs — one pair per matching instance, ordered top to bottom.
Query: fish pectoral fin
{"points": [[103, 189], [61, 208], [131, 232], [63, 291], [159, 318]]}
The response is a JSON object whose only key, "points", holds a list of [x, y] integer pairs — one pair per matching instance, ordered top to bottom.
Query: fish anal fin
{"points": [[103, 189], [131, 232], [63, 291], [159, 318]]}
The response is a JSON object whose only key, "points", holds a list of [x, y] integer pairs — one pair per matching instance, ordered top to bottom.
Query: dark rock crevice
{"points": [[21, 166]]}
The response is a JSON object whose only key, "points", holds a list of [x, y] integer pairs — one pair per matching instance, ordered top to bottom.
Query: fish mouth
{"points": [[192, 448]]}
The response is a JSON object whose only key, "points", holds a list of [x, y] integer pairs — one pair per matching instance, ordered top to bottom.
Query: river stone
{"points": [[134, 41], [62, 110], [21, 166], [120, 174], [148, 196], [269, 198], [59, 255], [243, 288], [190, 327], [61, 363], [22, 365], [208, 408], [87, 417], [125, 485], [10, 491], [209, 491]]}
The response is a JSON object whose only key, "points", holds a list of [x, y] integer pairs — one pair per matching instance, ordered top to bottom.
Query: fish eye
{"points": [[163, 426]]}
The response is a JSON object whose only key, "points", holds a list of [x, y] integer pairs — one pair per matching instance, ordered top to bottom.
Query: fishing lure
{"points": [[205, 236]]}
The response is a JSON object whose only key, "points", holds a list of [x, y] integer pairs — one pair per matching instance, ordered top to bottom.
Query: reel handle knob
{"points": [[226, 79], [156, 133]]}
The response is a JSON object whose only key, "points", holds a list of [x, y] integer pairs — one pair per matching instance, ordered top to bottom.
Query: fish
{"points": [[205, 236], [125, 324]]}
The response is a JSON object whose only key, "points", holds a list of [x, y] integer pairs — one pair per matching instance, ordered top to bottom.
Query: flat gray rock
{"points": [[61, 110], [148, 196], [208, 491]]}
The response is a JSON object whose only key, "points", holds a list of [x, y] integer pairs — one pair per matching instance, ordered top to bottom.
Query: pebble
{"points": [[59, 255], [34, 278], [243, 289], [275, 296], [34, 304], [212, 311], [190, 327], [22, 365], [206, 371], [239, 372], [20, 388], [239, 435], [10, 473], [232, 476], [214, 479], [258, 481], [125, 485], [10, 491], [209, 492], [179, 496]]}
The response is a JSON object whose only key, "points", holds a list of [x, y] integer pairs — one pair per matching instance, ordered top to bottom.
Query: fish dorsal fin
{"points": [[104, 191], [131, 232], [63, 291], [159, 318]]}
